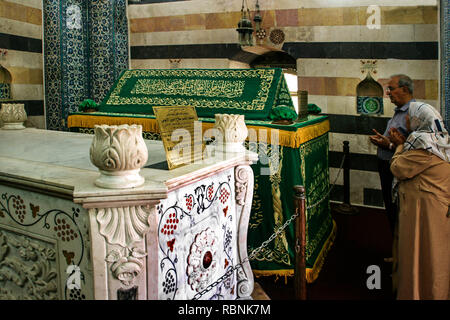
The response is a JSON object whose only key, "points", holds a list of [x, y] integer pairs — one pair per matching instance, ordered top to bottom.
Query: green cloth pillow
{"points": [[314, 109], [282, 113]]}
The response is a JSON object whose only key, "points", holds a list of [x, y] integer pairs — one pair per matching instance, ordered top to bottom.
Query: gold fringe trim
{"points": [[82, 121], [291, 139], [277, 273], [311, 273]]}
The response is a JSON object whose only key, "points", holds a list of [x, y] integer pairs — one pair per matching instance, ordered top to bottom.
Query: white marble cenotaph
{"points": [[70, 228]]}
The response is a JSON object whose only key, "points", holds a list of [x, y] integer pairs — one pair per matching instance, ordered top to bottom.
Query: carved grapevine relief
{"points": [[18, 252], [27, 268]]}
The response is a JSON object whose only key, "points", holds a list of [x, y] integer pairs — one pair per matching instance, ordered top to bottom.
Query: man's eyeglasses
{"points": [[390, 89]]}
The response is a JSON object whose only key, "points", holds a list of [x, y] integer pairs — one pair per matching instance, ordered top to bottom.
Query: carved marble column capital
{"points": [[13, 116], [233, 130], [119, 152]]}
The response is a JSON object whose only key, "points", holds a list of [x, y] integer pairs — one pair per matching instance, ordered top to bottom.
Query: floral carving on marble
{"points": [[13, 115], [233, 130], [119, 152], [241, 184], [124, 226], [202, 260], [29, 265], [126, 267]]}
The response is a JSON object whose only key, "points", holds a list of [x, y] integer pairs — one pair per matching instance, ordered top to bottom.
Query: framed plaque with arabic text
{"points": [[181, 134]]}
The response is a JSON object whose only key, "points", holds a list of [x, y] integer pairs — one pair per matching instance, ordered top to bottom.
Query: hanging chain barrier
{"points": [[266, 243]]}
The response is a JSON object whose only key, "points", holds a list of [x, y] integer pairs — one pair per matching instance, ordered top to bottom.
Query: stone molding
{"points": [[244, 195]]}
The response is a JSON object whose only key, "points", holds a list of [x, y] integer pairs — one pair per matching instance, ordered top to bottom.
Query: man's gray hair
{"points": [[404, 81]]}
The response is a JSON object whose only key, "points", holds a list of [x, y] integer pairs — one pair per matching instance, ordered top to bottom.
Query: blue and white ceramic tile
{"points": [[85, 49]]}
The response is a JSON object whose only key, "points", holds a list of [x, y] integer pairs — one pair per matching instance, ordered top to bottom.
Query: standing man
{"points": [[400, 90]]}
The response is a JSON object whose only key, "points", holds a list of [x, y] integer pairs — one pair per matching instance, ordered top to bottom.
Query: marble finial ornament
{"points": [[13, 116], [233, 130], [119, 152]]}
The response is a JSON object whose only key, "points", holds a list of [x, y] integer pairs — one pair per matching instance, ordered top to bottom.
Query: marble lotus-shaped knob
{"points": [[13, 116], [233, 130], [119, 152]]}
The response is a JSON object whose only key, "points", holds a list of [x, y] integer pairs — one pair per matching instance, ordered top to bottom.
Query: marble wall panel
{"points": [[29, 3], [356, 3], [146, 9], [20, 12], [355, 16], [286, 18], [195, 21], [20, 28], [21, 36], [184, 37], [22, 59], [183, 63], [350, 68], [26, 75], [340, 86], [27, 91], [358, 143], [359, 182]]}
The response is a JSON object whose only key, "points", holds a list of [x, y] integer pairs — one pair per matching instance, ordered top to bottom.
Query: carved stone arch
{"points": [[5, 84]]}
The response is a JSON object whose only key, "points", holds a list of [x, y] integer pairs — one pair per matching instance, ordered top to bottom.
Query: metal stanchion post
{"points": [[346, 207], [300, 243]]}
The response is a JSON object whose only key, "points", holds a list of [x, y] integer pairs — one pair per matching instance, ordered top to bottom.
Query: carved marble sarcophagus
{"points": [[63, 237]]}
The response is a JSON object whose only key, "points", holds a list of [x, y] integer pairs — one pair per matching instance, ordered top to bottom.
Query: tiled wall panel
{"points": [[86, 47]]}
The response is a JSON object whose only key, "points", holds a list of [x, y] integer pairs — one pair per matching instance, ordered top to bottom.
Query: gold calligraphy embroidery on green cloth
{"points": [[199, 87], [253, 92], [258, 103], [316, 186], [257, 216], [279, 253]]}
